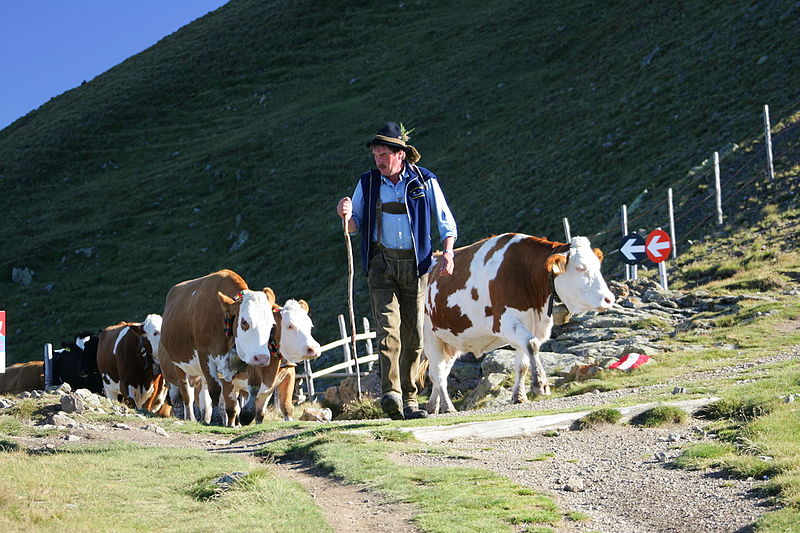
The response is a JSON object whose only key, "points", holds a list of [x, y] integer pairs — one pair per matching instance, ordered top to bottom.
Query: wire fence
{"points": [[742, 171]]}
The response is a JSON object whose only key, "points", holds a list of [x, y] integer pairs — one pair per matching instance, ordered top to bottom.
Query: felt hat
{"points": [[396, 136]]}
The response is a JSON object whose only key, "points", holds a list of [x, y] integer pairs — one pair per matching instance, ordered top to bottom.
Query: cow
{"points": [[500, 293], [213, 327], [293, 343], [127, 358], [76, 363], [22, 377]]}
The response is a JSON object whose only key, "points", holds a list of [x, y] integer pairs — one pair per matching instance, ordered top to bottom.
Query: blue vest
{"points": [[419, 212]]}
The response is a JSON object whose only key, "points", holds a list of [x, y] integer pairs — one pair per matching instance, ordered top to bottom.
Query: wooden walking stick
{"points": [[350, 303]]}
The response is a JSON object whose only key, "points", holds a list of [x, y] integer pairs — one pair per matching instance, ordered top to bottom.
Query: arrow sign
{"points": [[658, 245], [633, 248]]}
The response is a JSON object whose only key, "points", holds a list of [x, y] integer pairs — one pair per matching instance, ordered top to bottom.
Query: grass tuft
{"points": [[660, 415], [599, 417]]}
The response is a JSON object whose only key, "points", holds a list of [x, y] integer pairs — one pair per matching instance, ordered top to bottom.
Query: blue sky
{"points": [[50, 46]]}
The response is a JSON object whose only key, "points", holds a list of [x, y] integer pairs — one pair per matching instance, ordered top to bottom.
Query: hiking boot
{"points": [[392, 405], [413, 412]]}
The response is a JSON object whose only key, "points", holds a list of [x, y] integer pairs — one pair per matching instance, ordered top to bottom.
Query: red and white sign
{"points": [[658, 245], [2, 341], [630, 361]]}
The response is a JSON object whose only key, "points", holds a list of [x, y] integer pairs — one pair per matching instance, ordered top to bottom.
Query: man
{"points": [[392, 207]]}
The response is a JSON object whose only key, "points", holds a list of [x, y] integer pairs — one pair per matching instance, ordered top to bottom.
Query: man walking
{"points": [[392, 206]]}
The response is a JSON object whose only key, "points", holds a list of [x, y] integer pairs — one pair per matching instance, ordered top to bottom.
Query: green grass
{"points": [[125, 487], [448, 499]]}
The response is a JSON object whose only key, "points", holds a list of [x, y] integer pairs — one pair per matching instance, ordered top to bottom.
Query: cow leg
{"points": [[441, 358], [521, 366], [539, 384], [285, 392], [187, 395], [175, 398], [230, 399], [248, 412]]}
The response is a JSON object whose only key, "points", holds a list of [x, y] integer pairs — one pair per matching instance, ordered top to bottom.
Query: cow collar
{"points": [[552, 295]]}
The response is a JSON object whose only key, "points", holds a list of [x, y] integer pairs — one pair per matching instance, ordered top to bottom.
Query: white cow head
{"points": [[578, 281], [252, 323], [152, 329], [295, 340]]}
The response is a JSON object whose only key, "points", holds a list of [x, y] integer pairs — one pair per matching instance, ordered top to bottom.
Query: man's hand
{"points": [[345, 208], [447, 264]]}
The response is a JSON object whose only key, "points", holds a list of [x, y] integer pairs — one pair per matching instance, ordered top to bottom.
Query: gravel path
{"points": [[620, 477]]}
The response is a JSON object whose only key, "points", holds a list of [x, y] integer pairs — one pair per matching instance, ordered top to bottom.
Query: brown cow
{"points": [[499, 294], [213, 327], [127, 358], [22, 377]]}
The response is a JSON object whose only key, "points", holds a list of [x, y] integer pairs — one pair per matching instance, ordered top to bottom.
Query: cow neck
{"points": [[229, 320], [275, 337]]}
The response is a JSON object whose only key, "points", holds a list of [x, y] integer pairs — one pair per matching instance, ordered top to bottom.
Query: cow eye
{"points": [[580, 268], [245, 325], [291, 327]]}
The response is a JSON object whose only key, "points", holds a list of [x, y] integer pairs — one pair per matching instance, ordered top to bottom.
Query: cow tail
{"points": [[422, 372]]}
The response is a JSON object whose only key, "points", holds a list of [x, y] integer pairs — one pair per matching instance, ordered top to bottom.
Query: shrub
{"points": [[660, 415]]}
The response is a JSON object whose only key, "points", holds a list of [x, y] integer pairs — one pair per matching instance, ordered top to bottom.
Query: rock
{"points": [[22, 276], [500, 361], [66, 388], [490, 388], [679, 390], [5, 403], [72, 403], [317, 415], [60, 419], [120, 425], [156, 429], [72, 438], [661, 457], [574, 484]]}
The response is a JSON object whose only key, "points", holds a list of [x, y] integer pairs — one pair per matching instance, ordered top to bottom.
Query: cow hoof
{"points": [[519, 399], [453, 410]]}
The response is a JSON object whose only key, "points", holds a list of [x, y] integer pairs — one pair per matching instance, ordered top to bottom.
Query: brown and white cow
{"points": [[499, 294], [213, 327], [293, 344], [127, 358], [22, 377]]}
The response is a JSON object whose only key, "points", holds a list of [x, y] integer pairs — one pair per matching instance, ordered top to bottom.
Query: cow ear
{"points": [[599, 253], [556, 264], [270, 295], [225, 301], [304, 305]]}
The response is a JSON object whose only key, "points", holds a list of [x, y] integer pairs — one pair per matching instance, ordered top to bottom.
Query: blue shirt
{"points": [[396, 229]]}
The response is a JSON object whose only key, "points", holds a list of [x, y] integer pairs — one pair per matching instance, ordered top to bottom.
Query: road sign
{"points": [[658, 245], [632, 248]]}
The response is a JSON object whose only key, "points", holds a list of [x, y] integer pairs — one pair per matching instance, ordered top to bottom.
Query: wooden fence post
{"points": [[768, 135], [717, 188], [624, 213], [672, 224], [365, 322], [346, 347], [48, 366]]}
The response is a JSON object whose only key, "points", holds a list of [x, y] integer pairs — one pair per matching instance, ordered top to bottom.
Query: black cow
{"points": [[76, 363]]}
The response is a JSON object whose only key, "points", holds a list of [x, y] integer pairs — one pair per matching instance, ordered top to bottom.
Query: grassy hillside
{"points": [[251, 122]]}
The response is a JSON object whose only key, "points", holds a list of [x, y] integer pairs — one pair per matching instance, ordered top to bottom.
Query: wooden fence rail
{"points": [[347, 367]]}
